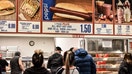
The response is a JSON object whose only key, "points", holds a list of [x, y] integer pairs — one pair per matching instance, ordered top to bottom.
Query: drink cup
{"points": [[99, 5], [107, 9], [47, 14]]}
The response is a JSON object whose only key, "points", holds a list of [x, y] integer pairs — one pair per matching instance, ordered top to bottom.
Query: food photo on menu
{"points": [[7, 10], [29, 10], [67, 10], [103, 11], [123, 11]]}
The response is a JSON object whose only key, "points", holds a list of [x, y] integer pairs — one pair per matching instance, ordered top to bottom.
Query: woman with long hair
{"points": [[126, 64], [68, 67]]}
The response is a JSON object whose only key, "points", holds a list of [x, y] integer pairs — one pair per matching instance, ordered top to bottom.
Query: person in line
{"points": [[55, 60], [84, 61], [4, 64], [16, 64], [126, 64], [68, 67], [37, 68], [0, 69]]}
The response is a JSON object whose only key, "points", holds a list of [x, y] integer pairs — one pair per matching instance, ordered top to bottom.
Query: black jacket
{"points": [[55, 61], [3, 64], [125, 68], [34, 70]]}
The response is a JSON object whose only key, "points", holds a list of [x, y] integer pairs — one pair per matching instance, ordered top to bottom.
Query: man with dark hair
{"points": [[55, 60], [16, 64]]}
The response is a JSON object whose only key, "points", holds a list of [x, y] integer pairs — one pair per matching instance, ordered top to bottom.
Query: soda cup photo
{"points": [[47, 14]]}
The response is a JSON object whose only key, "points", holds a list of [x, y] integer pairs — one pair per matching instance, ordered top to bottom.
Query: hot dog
{"points": [[72, 11]]}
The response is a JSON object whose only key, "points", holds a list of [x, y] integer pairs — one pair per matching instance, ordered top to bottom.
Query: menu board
{"points": [[7, 15], [29, 16], [66, 16], [96, 17], [123, 18]]}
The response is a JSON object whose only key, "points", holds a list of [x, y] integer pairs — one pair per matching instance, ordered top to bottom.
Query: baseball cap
{"points": [[58, 48], [17, 53]]}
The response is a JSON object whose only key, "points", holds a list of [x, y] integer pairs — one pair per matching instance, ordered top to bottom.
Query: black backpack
{"points": [[56, 61], [0, 69]]}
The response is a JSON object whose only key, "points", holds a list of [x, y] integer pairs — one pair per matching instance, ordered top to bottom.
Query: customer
{"points": [[55, 60], [84, 61], [3, 64], [16, 64], [126, 64], [68, 67], [37, 68], [0, 69]]}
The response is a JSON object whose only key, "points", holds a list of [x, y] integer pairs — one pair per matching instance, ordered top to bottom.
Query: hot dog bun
{"points": [[72, 7]]}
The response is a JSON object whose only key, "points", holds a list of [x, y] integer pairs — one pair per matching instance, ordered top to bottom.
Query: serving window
{"points": [[106, 45]]}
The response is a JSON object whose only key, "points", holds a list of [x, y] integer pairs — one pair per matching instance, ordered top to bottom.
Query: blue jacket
{"points": [[85, 62]]}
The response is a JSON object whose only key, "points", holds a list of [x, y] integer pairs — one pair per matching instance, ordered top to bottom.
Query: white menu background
{"points": [[7, 26], [28, 26], [65, 27], [103, 29], [123, 29]]}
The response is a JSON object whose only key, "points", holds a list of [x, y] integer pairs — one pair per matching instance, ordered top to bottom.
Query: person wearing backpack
{"points": [[55, 60], [68, 67]]}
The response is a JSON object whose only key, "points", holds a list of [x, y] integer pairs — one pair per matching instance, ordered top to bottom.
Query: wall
{"points": [[67, 43], [46, 44]]}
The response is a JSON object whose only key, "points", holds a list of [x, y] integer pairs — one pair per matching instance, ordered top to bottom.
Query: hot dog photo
{"points": [[67, 10]]}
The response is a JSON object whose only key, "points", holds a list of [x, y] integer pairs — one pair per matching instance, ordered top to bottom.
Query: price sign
{"points": [[7, 26], [27, 26], [65, 27], [86, 28], [103, 28], [123, 30]]}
